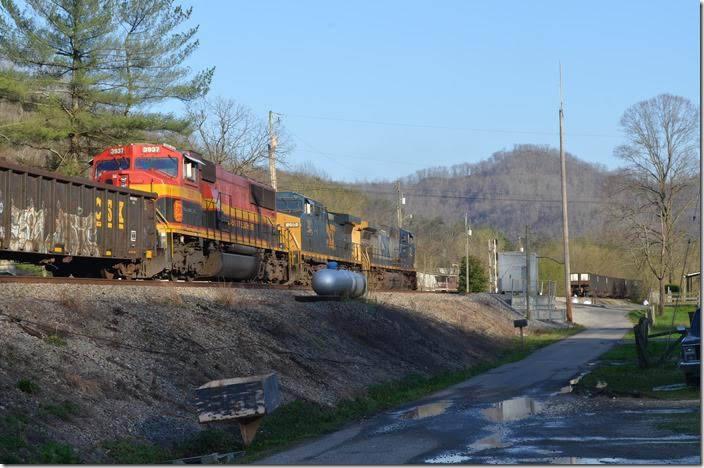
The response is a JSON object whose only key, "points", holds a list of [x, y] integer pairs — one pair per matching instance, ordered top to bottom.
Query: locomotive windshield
{"points": [[113, 164], [168, 166], [289, 205]]}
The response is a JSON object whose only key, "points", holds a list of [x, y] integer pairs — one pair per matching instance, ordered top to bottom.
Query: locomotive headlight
{"points": [[123, 181], [162, 240]]}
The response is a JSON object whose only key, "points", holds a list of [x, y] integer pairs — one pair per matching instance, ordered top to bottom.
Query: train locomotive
{"points": [[151, 211]]}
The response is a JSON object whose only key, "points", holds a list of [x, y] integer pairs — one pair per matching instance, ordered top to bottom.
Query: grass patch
{"points": [[29, 269], [664, 322], [55, 340], [620, 371], [27, 386], [63, 411], [689, 423], [15, 448], [129, 452], [55, 453]]}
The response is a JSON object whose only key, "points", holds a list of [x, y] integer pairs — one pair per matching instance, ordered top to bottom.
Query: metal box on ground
{"points": [[512, 272]]}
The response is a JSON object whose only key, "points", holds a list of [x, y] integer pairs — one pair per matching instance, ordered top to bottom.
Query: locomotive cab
{"points": [[140, 166]]}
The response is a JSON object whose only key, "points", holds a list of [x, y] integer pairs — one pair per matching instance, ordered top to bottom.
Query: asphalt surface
{"points": [[517, 413]]}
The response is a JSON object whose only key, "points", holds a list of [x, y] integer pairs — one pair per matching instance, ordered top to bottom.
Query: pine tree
{"points": [[88, 70], [478, 281]]}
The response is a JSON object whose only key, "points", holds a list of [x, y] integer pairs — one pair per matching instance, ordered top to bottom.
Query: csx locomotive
{"points": [[154, 212]]}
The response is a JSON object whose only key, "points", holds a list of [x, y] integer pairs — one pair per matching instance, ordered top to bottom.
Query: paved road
{"points": [[479, 417]]}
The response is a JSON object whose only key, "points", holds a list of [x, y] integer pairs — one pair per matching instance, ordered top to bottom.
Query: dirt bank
{"points": [[126, 360]]}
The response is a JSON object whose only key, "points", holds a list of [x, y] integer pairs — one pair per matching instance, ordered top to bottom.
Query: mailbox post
{"points": [[520, 324], [246, 400]]}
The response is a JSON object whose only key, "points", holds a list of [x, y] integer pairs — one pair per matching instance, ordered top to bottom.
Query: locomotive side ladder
{"points": [[294, 253]]}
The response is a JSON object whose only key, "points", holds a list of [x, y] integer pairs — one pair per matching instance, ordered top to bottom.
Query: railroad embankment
{"points": [[87, 365]]}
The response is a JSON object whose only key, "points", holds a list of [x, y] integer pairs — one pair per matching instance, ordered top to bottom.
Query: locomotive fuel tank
{"points": [[233, 265], [333, 282]]}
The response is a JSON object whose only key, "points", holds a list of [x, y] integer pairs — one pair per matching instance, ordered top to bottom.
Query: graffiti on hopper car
{"points": [[27, 228], [75, 233]]}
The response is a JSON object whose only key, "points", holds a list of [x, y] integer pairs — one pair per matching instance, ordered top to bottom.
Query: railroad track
{"points": [[152, 283], [164, 283]]}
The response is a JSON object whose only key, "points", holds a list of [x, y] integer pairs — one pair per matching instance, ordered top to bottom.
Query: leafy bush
{"points": [[55, 340], [27, 386], [64, 411], [12, 449], [126, 451], [57, 452]]}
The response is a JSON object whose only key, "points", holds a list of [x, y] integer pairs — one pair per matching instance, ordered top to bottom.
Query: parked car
{"points": [[691, 363]]}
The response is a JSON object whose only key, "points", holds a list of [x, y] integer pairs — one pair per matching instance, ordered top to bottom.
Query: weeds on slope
{"points": [[299, 420]]}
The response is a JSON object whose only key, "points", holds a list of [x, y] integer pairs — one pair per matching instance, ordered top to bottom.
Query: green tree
{"points": [[87, 71], [478, 280]]}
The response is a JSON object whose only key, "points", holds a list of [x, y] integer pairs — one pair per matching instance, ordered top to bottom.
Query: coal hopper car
{"points": [[74, 226]]}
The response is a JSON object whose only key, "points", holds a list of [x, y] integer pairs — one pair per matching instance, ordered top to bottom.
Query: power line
{"points": [[445, 127], [323, 153], [486, 197]]}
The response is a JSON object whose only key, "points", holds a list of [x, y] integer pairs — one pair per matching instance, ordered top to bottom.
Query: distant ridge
{"points": [[508, 190]]}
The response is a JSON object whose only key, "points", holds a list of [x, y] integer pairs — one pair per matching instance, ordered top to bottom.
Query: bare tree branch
{"points": [[228, 133], [659, 178]]}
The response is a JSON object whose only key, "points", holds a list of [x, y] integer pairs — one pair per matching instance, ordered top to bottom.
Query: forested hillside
{"points": [[509, 190], [501, 194]]}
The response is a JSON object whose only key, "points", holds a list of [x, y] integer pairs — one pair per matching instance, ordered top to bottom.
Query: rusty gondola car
{"points": [[73, 226], [592, 285]]}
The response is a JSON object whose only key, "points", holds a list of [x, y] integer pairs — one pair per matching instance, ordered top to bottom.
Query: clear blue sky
{"points": [[487, 71]]}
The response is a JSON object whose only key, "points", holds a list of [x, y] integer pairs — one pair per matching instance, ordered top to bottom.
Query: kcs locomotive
{"points": [[151, 212]]}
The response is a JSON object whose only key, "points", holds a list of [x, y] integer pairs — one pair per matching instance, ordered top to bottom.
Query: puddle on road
{"points": [[512, 410], [426, 411], [491, 442]]}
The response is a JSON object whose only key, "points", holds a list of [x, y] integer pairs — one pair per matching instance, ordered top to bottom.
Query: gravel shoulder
{"points": [[129, 358]]}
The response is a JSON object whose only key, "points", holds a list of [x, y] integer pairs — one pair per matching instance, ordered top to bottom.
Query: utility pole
{"points": [[273, 142], [399, 201], [565, 230], [467, 233], [495, 255], [527, 277]]}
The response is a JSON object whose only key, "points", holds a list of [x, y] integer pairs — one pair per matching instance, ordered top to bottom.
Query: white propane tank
{"points": [[334, 282]]}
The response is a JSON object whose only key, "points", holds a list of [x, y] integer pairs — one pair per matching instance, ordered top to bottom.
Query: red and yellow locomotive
{"points": [[210, 222]]}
